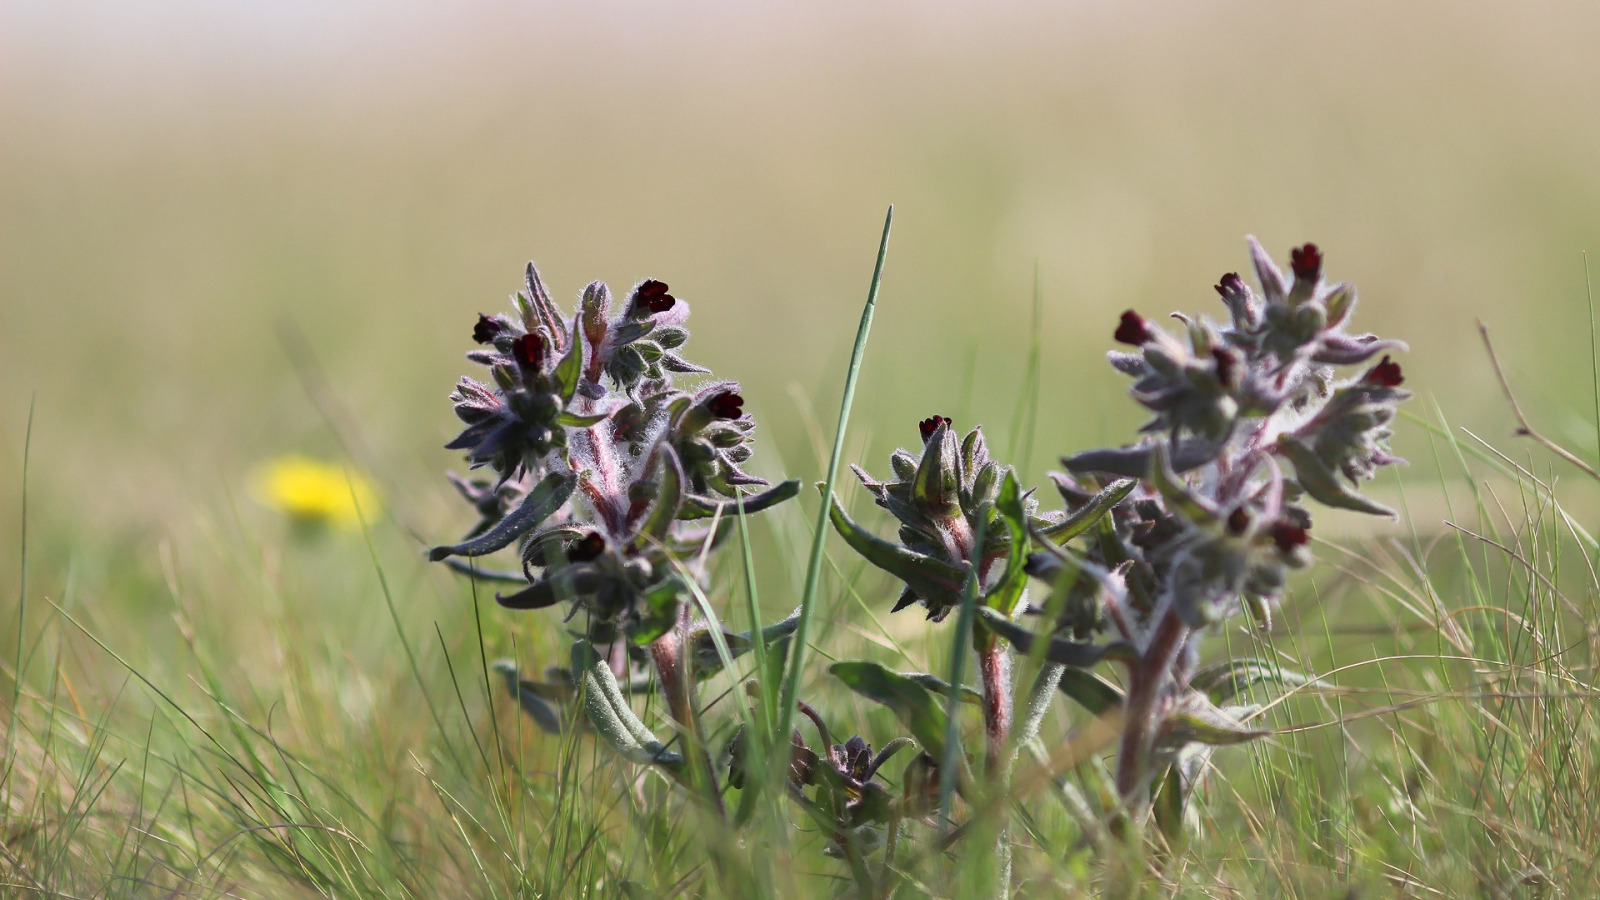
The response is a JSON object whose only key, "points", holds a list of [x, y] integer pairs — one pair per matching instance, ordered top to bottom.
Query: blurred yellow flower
{"points": [[312, 492]]}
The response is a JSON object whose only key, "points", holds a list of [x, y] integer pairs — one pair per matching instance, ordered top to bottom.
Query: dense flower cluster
{"points": [[1249, 419], [602, 462]]}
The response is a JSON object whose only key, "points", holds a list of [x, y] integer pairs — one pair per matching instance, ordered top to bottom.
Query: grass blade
{"points": [[797, 655]]}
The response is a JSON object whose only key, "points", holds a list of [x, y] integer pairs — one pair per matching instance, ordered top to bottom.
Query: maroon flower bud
{"points": [[1306, 262], [1230, 284], [653, 296], [1132, 329], [485, 331], [529, 350], [1385, 374], [726, 405], [931, 424], [1238, 522], [1288, 536], [587, 548]]}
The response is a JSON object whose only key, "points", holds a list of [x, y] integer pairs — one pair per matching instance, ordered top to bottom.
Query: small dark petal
{"points": [[1306, 262], [1229, 284], [653, 294], [1132, 329], [485, 331], [529, 350], [1226, 365], [1385, 374], [726, 405], [931, 424], [1239, 522], [1289, 536], [587, 548]]}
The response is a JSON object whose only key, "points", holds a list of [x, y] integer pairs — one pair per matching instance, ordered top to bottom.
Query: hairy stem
{"points": [[667, 654], [994, 667], [1148, 682]]}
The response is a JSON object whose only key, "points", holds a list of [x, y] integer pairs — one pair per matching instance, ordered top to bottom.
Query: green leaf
{"points": [[542, 304], [569, 371], [573, 420], [1321, 483], [935, 484], [1174, 490], [669, 493], [542, 502], [698, 507], [1085, 518], [930, 578], [1014, 581], [565, 583], [658, 610], [1059, 650], [707, 661], [1227, 680], [942, 688], [1091, 691], [531, 696], [910, 701], [613, 718], [1200, 721], [1167, 807]]}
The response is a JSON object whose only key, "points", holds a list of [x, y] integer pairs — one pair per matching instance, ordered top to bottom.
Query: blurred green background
{"points": [[180, 181]]}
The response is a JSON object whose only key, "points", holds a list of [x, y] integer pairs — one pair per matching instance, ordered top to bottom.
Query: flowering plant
{"points": [[611, 479]]}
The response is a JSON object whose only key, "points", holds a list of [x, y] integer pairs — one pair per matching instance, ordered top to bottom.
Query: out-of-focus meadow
{"points": [[177, 180], [233, 232]]}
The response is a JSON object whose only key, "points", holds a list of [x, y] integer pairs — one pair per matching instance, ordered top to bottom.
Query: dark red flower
{"points": [[1306, 262], [1230, 284], [653, 294], [1132, 329], [485, 331], [529, 350], [1385, 374], [726, 405], [931, 424], [1288, 536], [586, 548]]}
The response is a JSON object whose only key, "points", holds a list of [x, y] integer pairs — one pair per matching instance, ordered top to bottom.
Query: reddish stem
{"points": [[667, 654], [994, 667], [1148, 682]]}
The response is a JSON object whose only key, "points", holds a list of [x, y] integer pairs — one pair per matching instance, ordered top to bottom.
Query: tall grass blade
{"points": [[797, 655]]}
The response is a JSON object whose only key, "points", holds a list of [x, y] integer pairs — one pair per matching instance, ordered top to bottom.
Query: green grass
{"points": [[221, 728]]}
